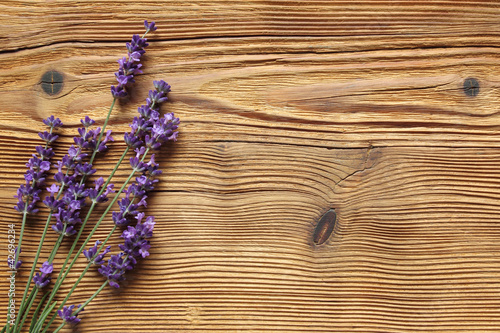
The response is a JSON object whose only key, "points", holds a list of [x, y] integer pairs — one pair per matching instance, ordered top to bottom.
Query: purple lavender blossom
{"points": [[149, 26], [131, 66], [162, 86], [52, 122], [87, 122], [149, 128], [151, 131], [48, 137], [88, 138], [102, 145], [45, 154], [84, 169], [93, 193], [136, 193], [28, 194], [67, 208], [70, 216], [136, 245], [93, 257], [116, 267], [42, 279], [66, 314]]}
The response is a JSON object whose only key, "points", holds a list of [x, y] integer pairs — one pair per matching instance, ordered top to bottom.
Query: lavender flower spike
{"points": [[149, 26], [131, 66], [52, 122], [28, 193], [135, 246], [93, 257]]}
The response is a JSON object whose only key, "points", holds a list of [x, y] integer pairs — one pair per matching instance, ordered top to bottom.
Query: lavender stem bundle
{"points": [[71, 200]]}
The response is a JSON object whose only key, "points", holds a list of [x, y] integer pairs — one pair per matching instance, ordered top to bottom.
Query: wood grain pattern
{"points": [[288, 109]]}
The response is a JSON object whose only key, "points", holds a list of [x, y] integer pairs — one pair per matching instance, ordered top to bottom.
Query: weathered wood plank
{"points": [[383, 24], [361, 99], [415, 248]]}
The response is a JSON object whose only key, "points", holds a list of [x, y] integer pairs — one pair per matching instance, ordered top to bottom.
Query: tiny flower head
{"points": [[149, 26], [162, 86], [53, 122], [87, 122], [42, 279], [67, 315]]}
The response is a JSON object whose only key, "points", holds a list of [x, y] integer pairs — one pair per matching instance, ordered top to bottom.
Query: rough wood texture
{"points": [[288, 109]]}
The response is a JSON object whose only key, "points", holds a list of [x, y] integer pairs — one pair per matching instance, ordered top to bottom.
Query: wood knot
{"points": [[52, 82], [471, 87], [325, 227]]}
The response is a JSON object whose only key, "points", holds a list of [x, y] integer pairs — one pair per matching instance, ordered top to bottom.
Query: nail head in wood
{"points": [[52, 82], [471, 87], [325, 227]]}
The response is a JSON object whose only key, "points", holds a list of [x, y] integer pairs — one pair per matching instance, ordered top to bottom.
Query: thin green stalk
{"points": [[75, 242], [57, 244], [91, 298], [22, 314], [35, 314], [25, 315], [43, 316], [60, 327]]}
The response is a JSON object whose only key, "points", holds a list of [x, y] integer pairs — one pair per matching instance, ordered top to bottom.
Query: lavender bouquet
{"points": [[71, 199]]}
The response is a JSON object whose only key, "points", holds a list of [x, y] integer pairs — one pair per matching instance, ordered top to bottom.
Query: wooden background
{"points": [[288, 109]]}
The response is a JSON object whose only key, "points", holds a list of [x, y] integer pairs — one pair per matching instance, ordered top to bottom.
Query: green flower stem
{"points": [[58, 243], [75, 243], [105, 283], [35, 314], [25, 315], [43, 316], [60, 327]]}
